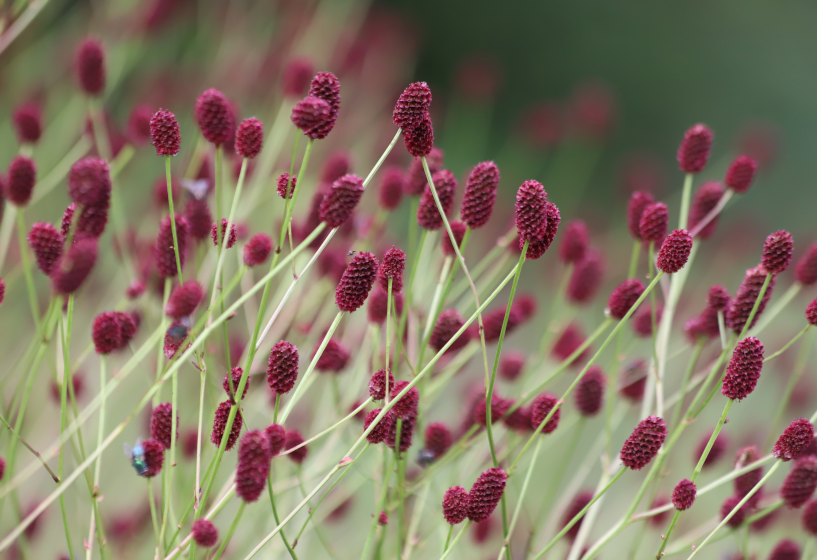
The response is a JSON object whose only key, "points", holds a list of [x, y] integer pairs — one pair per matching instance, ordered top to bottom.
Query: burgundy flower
{"points": [[90, 66], [296, 76], [327, 87], [412, 105], [310, 115], [214, 116], [28, 122], [139, 125], [164, 133], [249, 137], [419, 139], [694, 149], [337, 164], [740, 174], [21, 179], [416, 180], [89, 181], [286, 184], [390, 189], [480, 194], [704, 201], [339, 203], [635, 209], [531, 211], [428, 216], [198, 217], [67, 218], [92, 220], [654, 220], [458, 229], [214, 234], [46, 242], [574, 242], [257, 249], [163, 252], [674, 252], [777, 252], [392, 266], [74, 267], [806, 270], [586, 278], [356, 282], [624, 297], [718, 298], [184, 299], [377, 304], [742, 304], [811, 313], [642, 320], [448, 323], [106, 333], [175, 336], [568, 342], [334, 358], [511, 365], [282, 367], [744, 369], [234, 376], [634, 377], [377, 384], [589, 395], [406, 407], [499, 407], [519, 420], [220, 423], [161, 424], [382, 429], [406, 433], [276, 435], [294, 439], [437, 439], [794, 439], [644, 443], [715, 452], [154, 457], [253, 465], [744, 483], [800, 483], [485, 494], [683, 496], [579, 502], [455, 505], [727, 506], [810, 517], [204, 533], [785, 550]]}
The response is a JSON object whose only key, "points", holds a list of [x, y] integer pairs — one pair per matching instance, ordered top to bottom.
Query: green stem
{"points": [[686, 194], [173, 218], [634, 259], [32, 291], [781, 304], [788, 344], [797, 372], [66, 379], [381, 503], [277, 520], [232, 529], [448, 538], [448, 549]]}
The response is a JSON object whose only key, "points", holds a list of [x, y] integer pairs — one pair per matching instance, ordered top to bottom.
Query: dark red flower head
{"points": [[90, 66], [296, 76], [327, 87], [412, 105], [311, 115], [214, 117], [28, 122], [139, 125], [164, 133], [249, 138], [419, 139], [694, 149], [740, 174], [21, 179], [416, 179], [89, 182], [286, 185], [390, 189], [480, 194], [705, 200], [339, 203], [635, 209], [531, 211], [428, 216], [67, 218], [198, 218], [654, 220], [458, 229], [215, 236], [46, 242], [574, 242], [540, 245], [257, 249], [163, 252], [674, 252], [777, 252], [74, 266], [392, 266], [806, 270], [586, 278], [356, 282], [624, 297], [718, 298], [184, 299], [377, 305], [741, 305], [811, 313], [642, 320], [448, 323], [106, 333], [175, 336], [334, 358], [511, 365], [282, 367], [744, 369], [234, 377], [634, 377], [377, 384], [589, 395], [406, 407], [499, 407], [541, 407], [220, 423], [161, 424], [381, 430], [406, 433], [276, 435], [294, 439], [437, 439], [794, 439], [644, 443], [715, 452], [154, 457], [254, 457], [745, 482], [800, 483], [485, 494], [683, 496], [577, 504], [455, 505], [727, 506], [810, 517], [204, 533], [785, 550]]}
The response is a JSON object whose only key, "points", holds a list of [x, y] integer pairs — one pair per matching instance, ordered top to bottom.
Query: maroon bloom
{"points": [[90, 67], [296, 76], [327, 87], [412, 105], [310, 115], [214, 116], [28, 122], [139, 125], [164, 133], [249, 138], [419, 140], [693, 152], [337, 165], [740, 174], [21, 179], [416, 180], [89, 182], [286, 185], [390, 189], [480, 194], [705, 200], [339, 203], [635, 209], [531, 211], [428, 216], [198, 217], [67, 218], [654, 220], [458, 229], [214, 234], [46, 242], [574, 242], [257, 249], [163, 252], [674, 252], [777, 252], [75, 266], [392, 267], [806, 270], [586, 278], [356, 282], [624, 297], [718, 298], [184, 299], [377, 304], [742, 304], [811, 313], [642, 320], [448, 323], [106, 333], [175, 336], [568, 342], [334, 358], [511, 365], [282, 367], [744, 369], [634, 377], [234, 378], [378, 384], [589, 396], [406, 407], [499, 407], [541, 407], [220, 423], [161, 424], [381, 430], [406, 433], [276, 435], [295, 439], [438, 439], [794, 439], [643, 444], [715, 452], [154, 457], [253, 465], [744, 483], [800, 483], [485, 494], [683, 496], [579, 502], [455, 505], [727, 506], [810, 517], [204, 533], [785, 550]]}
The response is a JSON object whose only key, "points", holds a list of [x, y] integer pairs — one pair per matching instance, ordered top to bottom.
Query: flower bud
{"points": [[214, 116], [693, 152]]}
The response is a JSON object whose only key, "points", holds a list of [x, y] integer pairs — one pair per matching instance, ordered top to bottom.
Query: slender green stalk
{"points": [[686, 195], [173, 219], [634, 259], [32, 291], [389, 297], [779, 306], [788, 344], [796, 374], [66, 379], [202, 387], [99, 437], [171, 466], [399, 489], [523, 492], [381, 503], [153, 515], [277, 520], [230, 532], [448, 538], [448, 549]]}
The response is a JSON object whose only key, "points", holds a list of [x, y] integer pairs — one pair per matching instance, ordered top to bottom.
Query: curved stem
{"points": [[173, 219], [448, 549]]}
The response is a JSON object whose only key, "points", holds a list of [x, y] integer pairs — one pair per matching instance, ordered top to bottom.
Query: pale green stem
{"points": [[45, 185], [686, 194], [712, 213], [173, 219], [634, 259], [32, 291], [389, 297], [779, 306], [788, 344], [797, 372], [66, 379], [202, 386], [327, 430], [381, 504], [153, 515], [277, 520], [232, 529], [448, 549]]}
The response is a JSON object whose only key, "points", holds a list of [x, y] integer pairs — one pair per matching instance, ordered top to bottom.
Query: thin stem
{"points": [[686, 194], [712, 213], [173, 219], [633, 270], [32, 292], [779, 306], [388, 331], [788, 344], [797, 372], [66, 378], [202, 387], [327, 430], [34, 452], [381, 503], [153, 515], [275, 515], [233, 526], [448, 538], [448, 549]]}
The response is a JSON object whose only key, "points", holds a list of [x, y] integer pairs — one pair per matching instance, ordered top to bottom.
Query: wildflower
{"points": [[90, 66], [296, 76], [327, 87], [412, 106], [310, 115], [214, 117], [28, 122], [139, 125], [164, 133], [249, 137], [419, 140], [693, 152], [740, 174], [22, 177], [416, 180], [89, 181], [286, 185], [390, 189], [480, 194], [705, 200], [339, 203], [635, 210], [531, 211], [428, 215], [67, 218], [198, 218], [654, 220], [458, 229], [214, 234], [46, 242], [574, 242], [257, 249], [674, 251], [163, 252], [777, 252], [74, 267], [392, 267], [806, 270], [586, 278], [356, 282], [624, 297], [718, 298], [184, 299], [378, 302], [742, 304], [811, 313], [642, 320], [448, 324], [175, 336], [568, 342], [334, 358], [511, 365], [744, 369], [234, 376], [634, 377], [378, 383], [589, 396], [406, 406], [499, 407], [541, 407], [220, 423], [161, 424], [382, 429], [406, 433], [276, 435], [437, 439], [794, 439], [643, 444], [715, 452], [154, 457], [253, 465], [800, 483], [485, 494], [683, 496], [577, 504], [455, 505], [726, 508], [810, 517], [382, 519], [204, 533]]}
